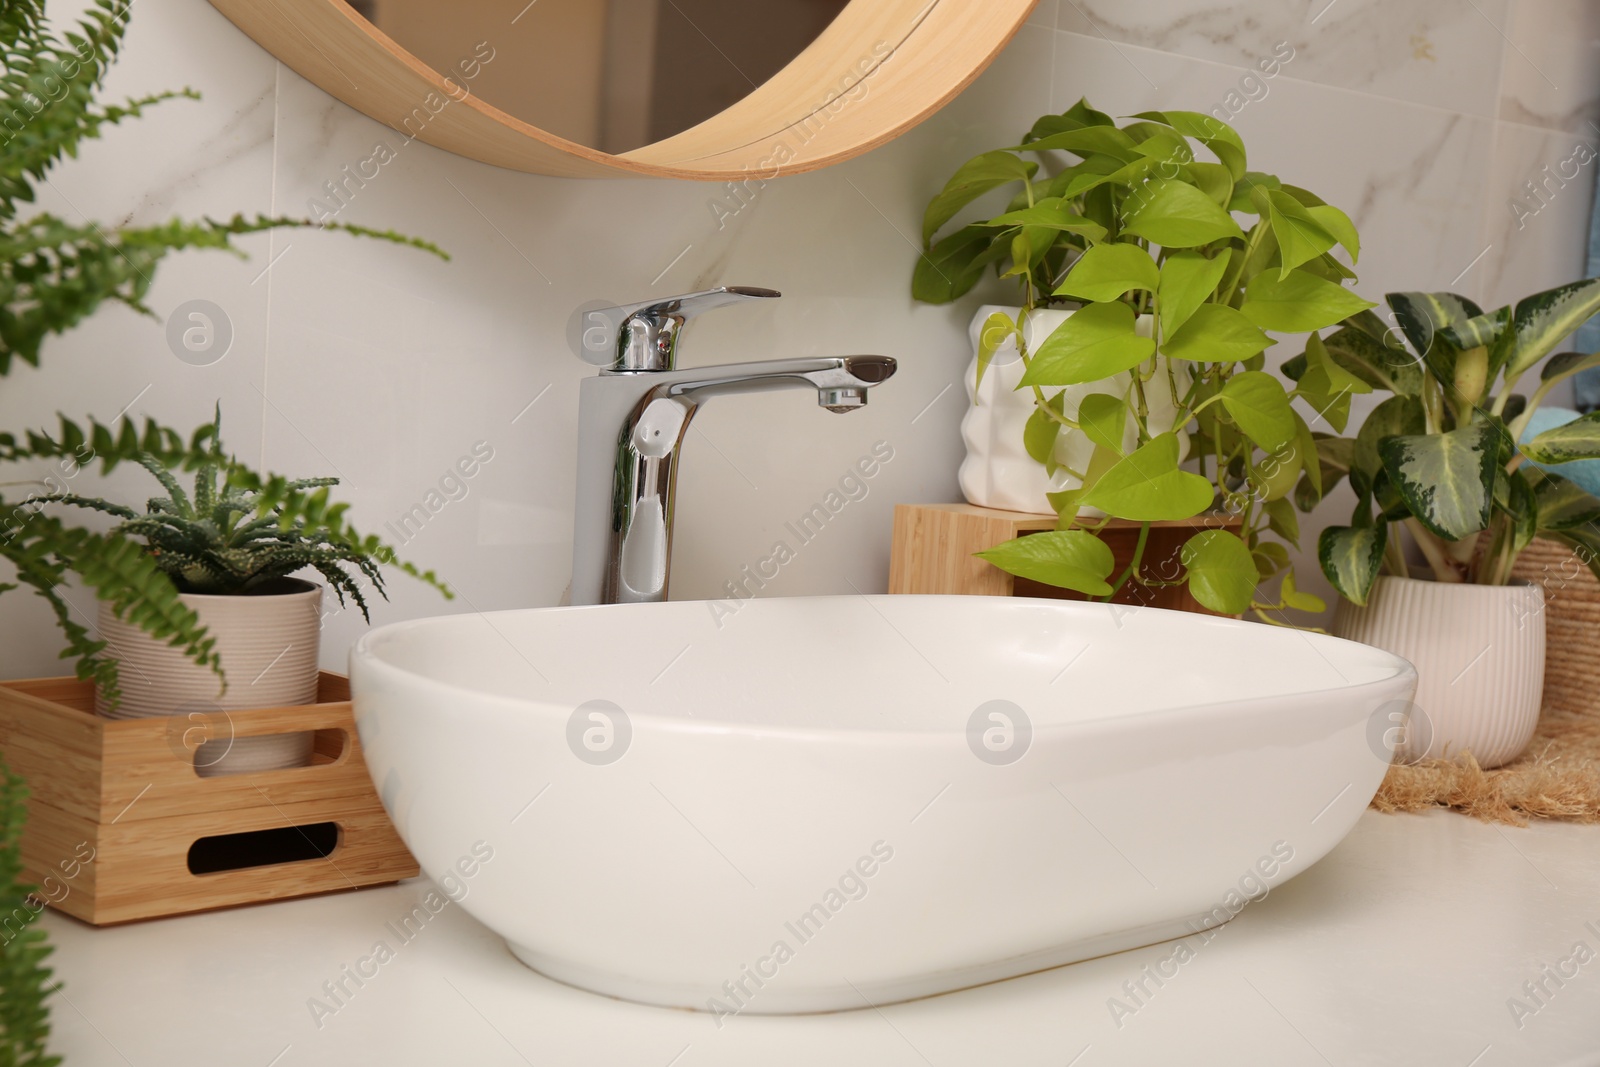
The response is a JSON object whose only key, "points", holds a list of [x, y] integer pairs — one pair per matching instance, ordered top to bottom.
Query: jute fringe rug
{"points": [[1558, 775]]}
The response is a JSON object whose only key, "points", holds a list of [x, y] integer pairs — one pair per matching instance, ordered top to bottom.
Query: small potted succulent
{"points": [[1091, 412], [1450, 488], [230, 555]]}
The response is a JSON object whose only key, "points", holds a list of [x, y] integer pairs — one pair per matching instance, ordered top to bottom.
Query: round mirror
{"points": [[710, 89]]}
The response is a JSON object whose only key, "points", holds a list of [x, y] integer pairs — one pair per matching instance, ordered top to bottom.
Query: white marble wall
{"points": [[1421, 117]]}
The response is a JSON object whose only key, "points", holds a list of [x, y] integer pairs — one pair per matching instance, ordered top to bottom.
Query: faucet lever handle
{"points": [[647, 333]]}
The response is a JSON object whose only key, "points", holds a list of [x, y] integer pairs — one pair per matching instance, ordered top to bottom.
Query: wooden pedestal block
{"points": [[934, 544], [116, 807]]}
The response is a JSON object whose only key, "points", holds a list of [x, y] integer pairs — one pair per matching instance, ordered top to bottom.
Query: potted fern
{"points": [[1139, 339], [1450, 488], [231, 560]]}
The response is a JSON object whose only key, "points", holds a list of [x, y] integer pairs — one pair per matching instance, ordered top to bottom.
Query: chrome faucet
{"points": [[632, 418]]}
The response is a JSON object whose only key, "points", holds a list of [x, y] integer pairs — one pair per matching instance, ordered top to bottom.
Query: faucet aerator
{"points": [[842, 401]]}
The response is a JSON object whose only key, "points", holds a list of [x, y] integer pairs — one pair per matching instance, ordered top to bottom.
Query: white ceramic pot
{"points": [[997, 471], [267, 643], [1479, 654]]}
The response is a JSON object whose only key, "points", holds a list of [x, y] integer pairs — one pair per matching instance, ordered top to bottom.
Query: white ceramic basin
{"points": [[817, 804]]}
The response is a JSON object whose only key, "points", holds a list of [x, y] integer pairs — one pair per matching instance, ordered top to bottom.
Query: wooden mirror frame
{"points": [[852, 89]]}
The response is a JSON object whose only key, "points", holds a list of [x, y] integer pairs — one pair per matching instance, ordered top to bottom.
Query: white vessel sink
{"points": [[817, 804]]}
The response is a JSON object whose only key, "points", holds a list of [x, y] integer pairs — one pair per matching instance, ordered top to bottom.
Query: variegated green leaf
{"points": [[1422, 315], [1543, 320], [1484, 330], [1567, 364], [1379, 365], [1397, 415], [1578, 439], [1446, 479], [1562, 504], [1522, 506], [1585, 543], [1351, 557]]}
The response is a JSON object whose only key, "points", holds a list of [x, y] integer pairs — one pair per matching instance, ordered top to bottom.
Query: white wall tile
{"points": [[1439, 52], [1552, 65], [1538, 237]]}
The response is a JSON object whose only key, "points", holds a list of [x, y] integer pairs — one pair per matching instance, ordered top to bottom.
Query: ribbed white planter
{"points": [[997, 471], [268, 645], [1479, 654]]}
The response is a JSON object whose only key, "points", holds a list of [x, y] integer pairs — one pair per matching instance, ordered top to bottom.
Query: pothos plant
{"points": [[1133, 225], [55, 273], [1439, 459]]}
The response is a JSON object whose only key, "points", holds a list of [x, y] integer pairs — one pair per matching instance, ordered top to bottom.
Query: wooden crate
{"points": [[933, 546], [125, 792]]}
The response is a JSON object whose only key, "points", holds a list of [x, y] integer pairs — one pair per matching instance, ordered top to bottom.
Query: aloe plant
{"points": [[1132, 221], [1439, 460], [224, 540]]}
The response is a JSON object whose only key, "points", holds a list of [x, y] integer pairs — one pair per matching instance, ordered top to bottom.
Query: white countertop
{"points": [[1403, 946]]}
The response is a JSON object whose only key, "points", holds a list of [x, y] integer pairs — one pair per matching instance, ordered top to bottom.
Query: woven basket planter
{"points": [[1572, 626]]}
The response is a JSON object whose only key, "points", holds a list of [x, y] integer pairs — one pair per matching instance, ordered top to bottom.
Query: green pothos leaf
{"points": [[975, 177], [997, 329], [1104, 418], [1041, 430], [1147, 486], [1068, 559], [1221, 572]]}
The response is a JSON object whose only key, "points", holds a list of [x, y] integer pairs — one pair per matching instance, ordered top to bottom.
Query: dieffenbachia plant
{"points": [[1146, 236], [1440, 458]]}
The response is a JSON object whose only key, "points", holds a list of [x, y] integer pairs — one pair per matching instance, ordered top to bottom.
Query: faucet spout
{"points": [[631, 429]]}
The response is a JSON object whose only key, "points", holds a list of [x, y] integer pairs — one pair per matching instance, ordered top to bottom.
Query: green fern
{"points": [[24, 1019]]}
